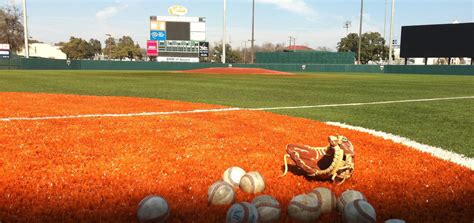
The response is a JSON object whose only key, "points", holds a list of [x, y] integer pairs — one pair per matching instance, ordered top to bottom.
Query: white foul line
{"points": [[224, 110], [434, 151]]}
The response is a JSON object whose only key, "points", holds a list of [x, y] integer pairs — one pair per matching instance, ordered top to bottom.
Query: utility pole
{"points": [[25, 26], [385, 28], [360, 29], [391, 34], [224, 39], [110, 47], [252, 55]]}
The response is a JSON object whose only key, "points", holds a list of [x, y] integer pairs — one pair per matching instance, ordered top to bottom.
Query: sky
{"points": [[315, 23]]}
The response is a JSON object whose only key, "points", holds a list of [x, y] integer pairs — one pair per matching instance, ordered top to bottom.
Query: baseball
{"points": [[233, 175], [252, 182], [220, 193], [347, 197], [326, 198], [268, 208], [304, 208], [153, 209], [359, 211], [242, 212], [395, 221]]}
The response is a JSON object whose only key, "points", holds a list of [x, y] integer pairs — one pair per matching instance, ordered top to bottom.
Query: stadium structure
{"points": [[177, 38]]}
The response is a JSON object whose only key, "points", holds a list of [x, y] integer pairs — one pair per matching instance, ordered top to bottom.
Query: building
{"points": [[43, 50]]}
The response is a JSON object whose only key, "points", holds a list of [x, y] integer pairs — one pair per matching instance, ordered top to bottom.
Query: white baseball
{"points": [[233, 175], [252, 182], [220, 193], [347, 197], [326, 198], [268, 208], [304, 208], [153, 209], [359, 211], [243, 212]]}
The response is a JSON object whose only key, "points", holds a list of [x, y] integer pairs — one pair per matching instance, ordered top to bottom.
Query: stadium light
{"points": [[25, 26], [385, 28], [360, 29], [391, 34], [224, 39], [252, 55]]}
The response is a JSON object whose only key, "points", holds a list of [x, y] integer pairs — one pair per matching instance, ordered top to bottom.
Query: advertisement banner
{"points": [[157, 25], [157, 35], [152, 48], [203, 49], [179, 59]]}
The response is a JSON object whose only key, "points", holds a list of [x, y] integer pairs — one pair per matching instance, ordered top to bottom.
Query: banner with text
{"points": [[152, 48], [203, 49]]}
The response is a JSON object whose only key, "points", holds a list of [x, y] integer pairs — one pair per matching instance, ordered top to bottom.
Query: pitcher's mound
{"points": [[235, 70]]}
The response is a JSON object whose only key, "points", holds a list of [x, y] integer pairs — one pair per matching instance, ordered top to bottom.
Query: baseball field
{"points": [[81, 146]]}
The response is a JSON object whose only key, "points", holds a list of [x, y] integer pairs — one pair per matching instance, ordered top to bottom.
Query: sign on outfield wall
{"points": [[152, 48], [4, 51], [179, 59]]}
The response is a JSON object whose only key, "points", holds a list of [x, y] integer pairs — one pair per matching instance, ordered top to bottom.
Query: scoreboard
{"points": [[177, 38]]}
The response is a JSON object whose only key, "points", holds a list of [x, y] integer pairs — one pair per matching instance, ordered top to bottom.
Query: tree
{"points": [[11, 28], [110, 44], [96, 46], [372, 46], [78, 48], [126, 48], [324, 49], [232, 56]]}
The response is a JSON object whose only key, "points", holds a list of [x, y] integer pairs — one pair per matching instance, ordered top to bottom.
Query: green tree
{"points": [[11, 28], [110, 45], [96, 46], [372, 46], [78, 48], [126, 48], [232, 56]]}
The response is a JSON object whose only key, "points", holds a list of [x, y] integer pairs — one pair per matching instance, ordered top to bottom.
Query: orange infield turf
{"points": [[98, 169]]}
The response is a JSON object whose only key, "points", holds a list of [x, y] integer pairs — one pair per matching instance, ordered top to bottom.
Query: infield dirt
{"points": [[98, 169]]}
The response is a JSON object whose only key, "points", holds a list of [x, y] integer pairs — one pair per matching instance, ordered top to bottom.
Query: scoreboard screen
{"points": [[178, 30], [447, 40]]}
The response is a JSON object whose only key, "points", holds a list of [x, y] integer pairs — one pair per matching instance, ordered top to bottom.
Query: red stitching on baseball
{"points": [[267, 204], [304, 207]]}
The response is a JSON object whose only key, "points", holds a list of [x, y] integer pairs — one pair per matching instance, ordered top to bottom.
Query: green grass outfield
{"points": [[445, 124]]}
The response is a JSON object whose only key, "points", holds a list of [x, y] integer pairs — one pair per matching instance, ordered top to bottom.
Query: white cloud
{"points": [[299, 7], [111, 11]]}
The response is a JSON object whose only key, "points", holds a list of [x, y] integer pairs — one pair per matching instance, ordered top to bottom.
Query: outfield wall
{"points": [[49, 64]]}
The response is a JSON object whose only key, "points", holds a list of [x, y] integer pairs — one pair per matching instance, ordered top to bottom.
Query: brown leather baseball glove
{"points": [[335, 161]]}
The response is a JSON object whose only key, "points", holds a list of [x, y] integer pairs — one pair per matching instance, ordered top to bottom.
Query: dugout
{"points": [[438, 41], [305, 57]]}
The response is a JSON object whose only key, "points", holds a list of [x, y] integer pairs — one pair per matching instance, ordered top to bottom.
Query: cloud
{"points": [[299, 7], [110, 11]]}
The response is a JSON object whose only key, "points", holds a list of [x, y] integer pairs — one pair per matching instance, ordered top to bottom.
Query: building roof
{"points": [[298, 48]]}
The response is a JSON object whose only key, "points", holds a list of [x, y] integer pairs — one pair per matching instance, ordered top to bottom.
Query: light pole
{"points": [[25, 25], [385, 28], [360, 29], [253, 32], [391, 34], [224, 39], [110, 47]]}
